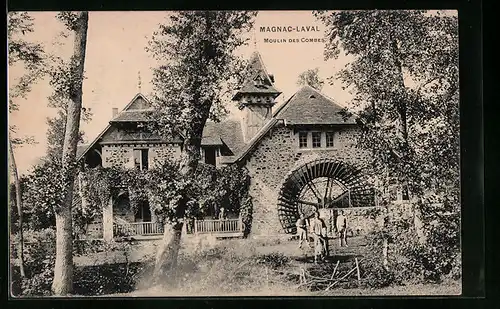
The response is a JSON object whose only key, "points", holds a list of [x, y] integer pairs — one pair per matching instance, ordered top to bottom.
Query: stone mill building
{"points": [[300, 156]]}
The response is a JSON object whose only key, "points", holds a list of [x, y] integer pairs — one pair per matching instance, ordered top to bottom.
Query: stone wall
{"points": [[158, 154], [277, 154], [116, 155], [122, 155], [360, 221]]}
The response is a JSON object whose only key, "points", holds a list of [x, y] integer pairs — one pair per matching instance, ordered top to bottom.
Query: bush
{"points": [[246, 210], [83, 247], [439, 254], [39, 256], [409, 259], [39, 260], [273, 260], [376, 275], [108, 278]]}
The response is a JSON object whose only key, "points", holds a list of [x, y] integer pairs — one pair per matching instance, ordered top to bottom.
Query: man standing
{"points": [[222, 213], [342, 228], [302, 229], [320, 237]]}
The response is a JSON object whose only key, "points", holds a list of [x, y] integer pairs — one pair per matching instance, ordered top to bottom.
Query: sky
{"points": [[116, 56]]}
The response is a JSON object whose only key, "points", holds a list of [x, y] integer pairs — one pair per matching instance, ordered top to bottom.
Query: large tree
{"points": [[196, 51], [31, 57], [404, 77], [311, 78], [67, 82], [57, 126]]}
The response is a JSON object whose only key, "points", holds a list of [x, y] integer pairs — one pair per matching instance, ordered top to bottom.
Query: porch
{"points": [[225, 228]]}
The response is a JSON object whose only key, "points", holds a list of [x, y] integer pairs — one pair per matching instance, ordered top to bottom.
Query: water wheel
{"points": [[323, 183]]}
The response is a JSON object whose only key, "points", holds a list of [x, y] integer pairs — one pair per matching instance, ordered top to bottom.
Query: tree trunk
{"points": [[402, 107], [200, 108], [19, 204], [418, 224], [385, 241], [385, 249], [166, 258], [63, 270]]}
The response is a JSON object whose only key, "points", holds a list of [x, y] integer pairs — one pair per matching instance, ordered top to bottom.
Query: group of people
{"points": [[318, 229]]}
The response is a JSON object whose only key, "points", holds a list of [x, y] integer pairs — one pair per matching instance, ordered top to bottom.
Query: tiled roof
{"points": [[254, 70], [250, 87], [138, 98], [306, 106], [309, 106], [133, 115], [229, 131], [211, 140], [80, 150], [227, 159]]}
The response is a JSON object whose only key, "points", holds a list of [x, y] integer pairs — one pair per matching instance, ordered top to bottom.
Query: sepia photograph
{"points": [[234, 153]]}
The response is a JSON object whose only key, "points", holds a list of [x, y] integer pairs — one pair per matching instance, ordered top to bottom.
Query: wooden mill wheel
{"points": [[323, 183]]}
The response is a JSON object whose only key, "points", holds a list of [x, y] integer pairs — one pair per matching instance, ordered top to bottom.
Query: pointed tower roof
{"points": [[257, 80]]}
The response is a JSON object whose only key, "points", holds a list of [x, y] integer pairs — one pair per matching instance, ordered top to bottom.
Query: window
{"points": [[258, 81], [316, 139], [330, 139], [303, 140], [210, 156], [141, 159], [143, 213]]}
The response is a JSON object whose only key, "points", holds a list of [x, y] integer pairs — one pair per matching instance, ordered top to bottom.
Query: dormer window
{"points": [[258, 81]]}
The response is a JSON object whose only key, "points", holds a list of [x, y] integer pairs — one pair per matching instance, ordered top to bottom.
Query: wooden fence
{"points": [[218, 226], [224, 226], [138, 228]]}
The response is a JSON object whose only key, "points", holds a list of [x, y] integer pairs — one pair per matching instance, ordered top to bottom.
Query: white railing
{"points": [[218, 226], [124, 228], [138, 228]]}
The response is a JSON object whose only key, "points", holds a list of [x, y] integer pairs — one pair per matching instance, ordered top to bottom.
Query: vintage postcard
{"points": [[234, 153]]}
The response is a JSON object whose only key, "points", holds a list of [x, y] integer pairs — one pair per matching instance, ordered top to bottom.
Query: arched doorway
{"points": [[323, 183]]}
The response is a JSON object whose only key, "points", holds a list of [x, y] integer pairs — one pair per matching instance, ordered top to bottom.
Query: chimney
{"points": [[114, 111]]}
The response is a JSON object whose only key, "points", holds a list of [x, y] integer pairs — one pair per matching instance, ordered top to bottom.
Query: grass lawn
{"points": [[235, 268], [447, 288]]}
